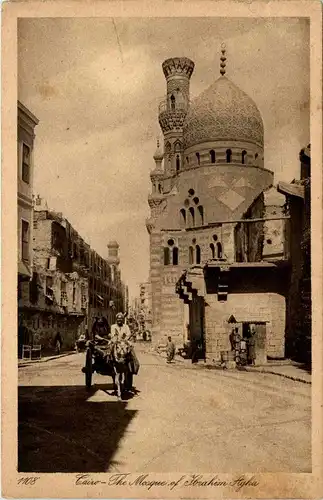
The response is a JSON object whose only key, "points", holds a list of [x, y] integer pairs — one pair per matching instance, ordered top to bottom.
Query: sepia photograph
{"points": [[164, 288]]}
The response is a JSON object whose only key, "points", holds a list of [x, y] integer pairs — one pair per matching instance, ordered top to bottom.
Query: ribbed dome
{"points": [[223, 112]]}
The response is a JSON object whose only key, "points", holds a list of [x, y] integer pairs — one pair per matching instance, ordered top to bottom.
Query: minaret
{"points": [[173, 109], [156, 176], [113, 258]]}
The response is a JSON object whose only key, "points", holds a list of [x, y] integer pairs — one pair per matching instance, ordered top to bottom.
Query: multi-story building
{"points": [[26, 124], [26, 137], [217, 225], [71, 283], [56, 299], [299, 317]]}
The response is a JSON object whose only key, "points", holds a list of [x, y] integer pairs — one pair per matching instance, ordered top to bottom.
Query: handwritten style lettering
{"points": [[86, 480], [118, 480], [199, 480], [243, 482]]}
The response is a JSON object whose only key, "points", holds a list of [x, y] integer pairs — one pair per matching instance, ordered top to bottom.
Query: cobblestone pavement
{"points": [[180, 420]]}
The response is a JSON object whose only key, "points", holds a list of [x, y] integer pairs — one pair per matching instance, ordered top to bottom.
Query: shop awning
{"points": [[291, 189], [231, 265], [24, 270]]}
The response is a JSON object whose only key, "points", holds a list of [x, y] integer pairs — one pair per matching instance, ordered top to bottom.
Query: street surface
{"points": [[182, 419]]}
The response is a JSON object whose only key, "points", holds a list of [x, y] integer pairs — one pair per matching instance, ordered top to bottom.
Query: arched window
{"points": [[172, 102], [177, 147], [229, 155], [212, 156], [243, 157], [256, 157], [198, 158], [187, 160], [178, 163], [159, 188], [200, 213], [183, 217], [191, 217], [212, 250], [219, 250], [198, 254], [190, 255], [166, 256], [175, 256]]}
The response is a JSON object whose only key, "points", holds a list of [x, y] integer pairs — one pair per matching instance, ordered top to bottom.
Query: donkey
{"points": [[121, 353]]}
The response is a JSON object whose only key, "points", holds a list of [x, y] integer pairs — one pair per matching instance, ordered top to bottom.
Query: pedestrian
{"points": [[237, 340], [58, 342], [252, 347], [170, 350], [243, 351]]}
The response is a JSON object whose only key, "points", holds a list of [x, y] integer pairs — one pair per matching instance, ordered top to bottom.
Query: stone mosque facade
{"points": [[217, 225]]}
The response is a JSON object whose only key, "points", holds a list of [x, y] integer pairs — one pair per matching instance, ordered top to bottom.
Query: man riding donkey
{"points": [[116, 350]]}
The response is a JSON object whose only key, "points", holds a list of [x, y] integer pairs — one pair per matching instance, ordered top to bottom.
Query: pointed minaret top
{"points": [[223, 59], [158, 156]]}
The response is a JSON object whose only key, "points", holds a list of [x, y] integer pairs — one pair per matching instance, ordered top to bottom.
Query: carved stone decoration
{"points": [[178, 65], [223, 112], [170, 120], [155, 201], [150, 224]]}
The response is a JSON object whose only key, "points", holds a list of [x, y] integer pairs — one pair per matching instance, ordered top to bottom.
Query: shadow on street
{"points": [[60, 430]]}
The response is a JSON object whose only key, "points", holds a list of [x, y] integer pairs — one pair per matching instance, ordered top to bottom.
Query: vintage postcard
{"points": [[162, 249]]}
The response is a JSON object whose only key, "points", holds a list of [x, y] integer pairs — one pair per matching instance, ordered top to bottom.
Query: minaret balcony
{"points": [[165, 105], [170, 119], [155, 198]]}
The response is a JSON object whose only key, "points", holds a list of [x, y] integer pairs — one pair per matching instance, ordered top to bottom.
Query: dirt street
{"points": [[181, 419]]}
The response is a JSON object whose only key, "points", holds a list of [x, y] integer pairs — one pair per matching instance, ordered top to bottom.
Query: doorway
{"points": [[196, 326]]}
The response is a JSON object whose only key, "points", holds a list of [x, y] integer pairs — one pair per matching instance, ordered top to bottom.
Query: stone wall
{"points": [[245, 307]]}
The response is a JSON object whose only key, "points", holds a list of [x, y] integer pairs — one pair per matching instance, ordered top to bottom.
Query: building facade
{"points": [[26, 123], [25, 173], [216, 221], [71, 283], [56, 299], [299, 304]]}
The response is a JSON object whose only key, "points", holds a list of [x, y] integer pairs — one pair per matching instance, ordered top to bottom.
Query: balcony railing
{"points": [[165, 105]]}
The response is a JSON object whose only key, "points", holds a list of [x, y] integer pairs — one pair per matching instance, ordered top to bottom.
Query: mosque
{"points": [[217, 226]]}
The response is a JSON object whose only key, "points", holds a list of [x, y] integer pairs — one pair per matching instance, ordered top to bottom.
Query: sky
{"points": [[95, 85]]}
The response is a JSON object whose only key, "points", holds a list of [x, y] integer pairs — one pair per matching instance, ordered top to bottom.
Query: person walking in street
{"points": [[58, 343], [170, 350]]}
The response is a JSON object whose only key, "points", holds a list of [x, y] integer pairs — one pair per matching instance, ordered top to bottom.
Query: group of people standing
{"points": [[244, 347]]}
